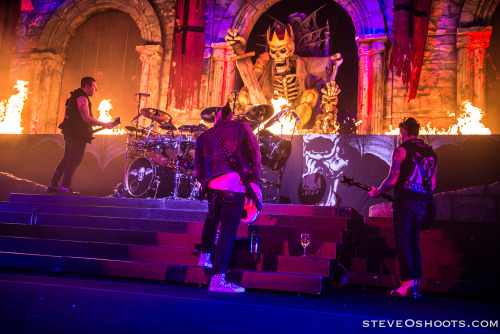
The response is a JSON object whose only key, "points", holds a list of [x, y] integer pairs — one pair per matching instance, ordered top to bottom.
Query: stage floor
{"points": [[37, 303]]}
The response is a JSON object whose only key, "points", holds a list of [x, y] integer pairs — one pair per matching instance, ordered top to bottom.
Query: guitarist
{"points": [[77, 130], [225, 190], [412, 191]]}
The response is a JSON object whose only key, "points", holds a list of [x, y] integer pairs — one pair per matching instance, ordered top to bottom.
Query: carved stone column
{"points": [[371, 50], [151, 58], [223, 75], [471, 79], [46, 90]]}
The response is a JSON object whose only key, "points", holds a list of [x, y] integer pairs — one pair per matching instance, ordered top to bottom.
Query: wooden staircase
{"points": [[157, 239], [457, 258]]}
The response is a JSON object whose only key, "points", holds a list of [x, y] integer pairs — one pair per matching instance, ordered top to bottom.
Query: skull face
{"points": [[281, 46], [281, 53], [323, 157], [140, 176]]}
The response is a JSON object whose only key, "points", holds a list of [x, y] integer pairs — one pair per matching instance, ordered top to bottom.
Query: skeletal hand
{"points": [[233, 37], [329, 95]]}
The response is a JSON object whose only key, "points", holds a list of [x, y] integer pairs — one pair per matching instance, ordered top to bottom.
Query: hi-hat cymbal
{"points": [[262, 112], [156, 114], [208, 114], [167, 126], [130, 128], [133, 130]]}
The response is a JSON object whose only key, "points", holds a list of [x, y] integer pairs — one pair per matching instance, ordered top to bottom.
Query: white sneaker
{"points": [[204, 260], [218, 283]]}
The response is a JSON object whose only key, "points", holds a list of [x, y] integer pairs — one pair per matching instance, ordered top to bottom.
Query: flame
{"points": [[10, 112], [104, 116], [468, 123], [283, 125]]}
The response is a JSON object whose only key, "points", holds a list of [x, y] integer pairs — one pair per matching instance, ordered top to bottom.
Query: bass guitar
{"points": [[250, 210], [429, 215]]}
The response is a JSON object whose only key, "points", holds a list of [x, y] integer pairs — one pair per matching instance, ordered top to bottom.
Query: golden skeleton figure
{"points": [[282, 73]]}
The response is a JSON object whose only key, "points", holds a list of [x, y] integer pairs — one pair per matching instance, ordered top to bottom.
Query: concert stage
{"points": [[157, 240]]}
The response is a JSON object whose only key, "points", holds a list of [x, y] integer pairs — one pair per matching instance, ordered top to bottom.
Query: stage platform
{"points": [[157, 239]]}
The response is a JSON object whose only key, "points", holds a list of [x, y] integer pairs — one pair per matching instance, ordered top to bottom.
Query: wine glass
{"points": [[304, 241]]}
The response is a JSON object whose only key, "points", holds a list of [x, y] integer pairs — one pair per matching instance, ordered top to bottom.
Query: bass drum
{"points": [[275, 151], [148, 179]]}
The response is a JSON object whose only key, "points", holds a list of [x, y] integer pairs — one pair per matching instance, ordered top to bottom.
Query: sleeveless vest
{"points": [[73, 124], [411, 183]]}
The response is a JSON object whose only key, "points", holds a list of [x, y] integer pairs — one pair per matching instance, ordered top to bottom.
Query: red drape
{"points": [[411, 21], [187, 55]]}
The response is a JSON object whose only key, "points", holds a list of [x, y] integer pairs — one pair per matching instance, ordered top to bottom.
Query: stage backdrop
{"points": [[311, 175]]}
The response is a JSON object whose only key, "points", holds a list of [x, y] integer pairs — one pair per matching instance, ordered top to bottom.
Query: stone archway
{"points": [[371, 37], [49, 58]]}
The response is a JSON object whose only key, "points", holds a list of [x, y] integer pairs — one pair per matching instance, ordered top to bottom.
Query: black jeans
{"points": [[74, 148], [226, 207], [407, 219]]}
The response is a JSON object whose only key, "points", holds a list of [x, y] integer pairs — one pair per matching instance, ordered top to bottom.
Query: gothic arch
{"points": [[72, 13], [477, 13], [366, 15], [371, 37], [49, 56]]}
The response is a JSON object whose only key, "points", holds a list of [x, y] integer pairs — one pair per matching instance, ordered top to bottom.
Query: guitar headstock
{"points": [[116, 121], [347, 180]]}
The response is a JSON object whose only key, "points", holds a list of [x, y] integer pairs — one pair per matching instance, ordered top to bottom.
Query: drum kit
{"points": [[162, 162]]}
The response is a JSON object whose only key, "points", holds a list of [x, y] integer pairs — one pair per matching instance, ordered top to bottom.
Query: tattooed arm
{"points": [[398, 156]]}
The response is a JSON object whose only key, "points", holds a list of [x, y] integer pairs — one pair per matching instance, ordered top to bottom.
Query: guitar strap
{"points": [[237, 168]]}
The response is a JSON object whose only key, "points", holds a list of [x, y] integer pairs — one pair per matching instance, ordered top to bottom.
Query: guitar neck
{"points": [[364, 187]]}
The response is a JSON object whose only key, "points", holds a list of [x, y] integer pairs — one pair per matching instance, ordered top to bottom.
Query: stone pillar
{"points": [[371, 50], [151, 58], [223, 74], [471, 79], [46, 90]]}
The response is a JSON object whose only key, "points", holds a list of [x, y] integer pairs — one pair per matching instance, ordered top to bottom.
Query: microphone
{"points": [[143, 94], [135, 117], [296, 117]]}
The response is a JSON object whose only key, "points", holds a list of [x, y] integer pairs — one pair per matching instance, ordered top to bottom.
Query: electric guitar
{"points": [[115, 122], [350, 182], [429, 215]]}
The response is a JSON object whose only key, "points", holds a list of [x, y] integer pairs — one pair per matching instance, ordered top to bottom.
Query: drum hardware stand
{"points": [[139, 112], [178, 174]]}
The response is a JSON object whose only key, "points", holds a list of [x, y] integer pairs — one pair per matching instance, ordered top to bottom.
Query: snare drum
{"points": [[275, 151]]}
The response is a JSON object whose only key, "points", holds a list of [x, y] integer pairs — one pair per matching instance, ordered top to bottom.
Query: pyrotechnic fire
{"points": [[10, 112], [104, 116], [468, 123], [284, 125]]}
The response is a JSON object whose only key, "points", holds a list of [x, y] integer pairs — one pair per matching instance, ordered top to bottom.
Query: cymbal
{"points": [[262, 112], [156, 114], [208, 114], [246, 118], [276, 118], [167, 126], [130, 128], [192, 128]]}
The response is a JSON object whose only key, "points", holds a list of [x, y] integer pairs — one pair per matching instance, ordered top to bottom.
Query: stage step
{"points": [[163, 203], [159, 239], [155, 254], [456, 256], [302, 283]]}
